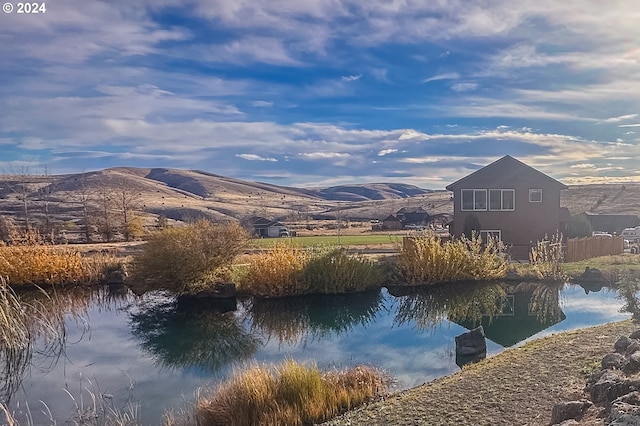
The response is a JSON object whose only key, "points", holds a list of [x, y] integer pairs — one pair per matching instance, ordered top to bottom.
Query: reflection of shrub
{"points": [[189, 258], [427, 260], [288, 270], [294, 319], [290, 394]]}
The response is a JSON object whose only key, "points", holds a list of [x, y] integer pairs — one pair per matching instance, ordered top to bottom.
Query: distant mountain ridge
{"points": [[180, 193]]}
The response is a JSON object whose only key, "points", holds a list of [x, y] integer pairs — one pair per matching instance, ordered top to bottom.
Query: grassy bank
{"points": [[330, 240], [517, 387]]}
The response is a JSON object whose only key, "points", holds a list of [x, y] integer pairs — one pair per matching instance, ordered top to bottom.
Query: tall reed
{"points": [[546, 258], [427, 260], [287, 270], [289, 394]]}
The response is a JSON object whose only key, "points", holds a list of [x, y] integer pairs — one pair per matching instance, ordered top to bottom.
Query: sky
{"points": [[315, 93]]}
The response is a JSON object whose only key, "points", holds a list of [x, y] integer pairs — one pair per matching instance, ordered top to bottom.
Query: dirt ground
{"points": [[517, 387]]}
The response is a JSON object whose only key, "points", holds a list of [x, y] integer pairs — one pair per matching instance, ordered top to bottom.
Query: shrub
{"points": [[546, 258], [188, 259], [426, 260], [40, 264], [286, 270], [278, 272], [338, 272], [290, 394]]}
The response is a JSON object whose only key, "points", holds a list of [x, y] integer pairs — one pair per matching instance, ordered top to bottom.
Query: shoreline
{"points": [[517, 386]]}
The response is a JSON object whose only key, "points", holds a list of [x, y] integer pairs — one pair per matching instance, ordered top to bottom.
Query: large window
{"points": [[535, 195], [474, 199], [502, 199], [495, 234]]}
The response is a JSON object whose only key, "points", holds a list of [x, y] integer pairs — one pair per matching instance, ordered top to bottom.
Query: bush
{"points": [[546, 258], [188, 259], [426, 260], [40, 264], [287, 270], [278, 272], [337, 272], [290, 394]]}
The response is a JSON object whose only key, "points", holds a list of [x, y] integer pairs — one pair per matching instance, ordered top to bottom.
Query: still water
{"points": [[156, 351]]}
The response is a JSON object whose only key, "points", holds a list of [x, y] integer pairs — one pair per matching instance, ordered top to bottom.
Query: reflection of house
{"points": [[511, 200], [391, 222], [613, 223], [264, 228], [523, 315]]}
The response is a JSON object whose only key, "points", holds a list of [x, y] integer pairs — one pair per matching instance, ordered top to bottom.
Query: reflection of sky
{"points": [[585, 310], [111, 358]]}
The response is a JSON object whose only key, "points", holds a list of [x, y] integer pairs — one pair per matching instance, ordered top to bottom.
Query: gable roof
{"points": [[506, 166]]}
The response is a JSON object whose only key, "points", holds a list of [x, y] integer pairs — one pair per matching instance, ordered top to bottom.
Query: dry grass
{"points": [[546, 259], [427, 260], [48, 265], [289, 270], [278, 272], [289, 394]]}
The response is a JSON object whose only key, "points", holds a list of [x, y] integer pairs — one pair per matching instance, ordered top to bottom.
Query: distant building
{"points": [[511, 201], [413, 216], [391, 222], [612, 223], [265, 228]]}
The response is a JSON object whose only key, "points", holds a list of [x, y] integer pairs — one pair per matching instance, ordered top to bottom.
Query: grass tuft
{"points": [[291, 394]]}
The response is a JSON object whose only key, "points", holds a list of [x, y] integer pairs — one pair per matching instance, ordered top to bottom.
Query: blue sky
{"points": [[319, 93]]}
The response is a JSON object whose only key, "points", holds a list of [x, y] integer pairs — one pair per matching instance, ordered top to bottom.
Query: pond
{"points": [[156, 351]]}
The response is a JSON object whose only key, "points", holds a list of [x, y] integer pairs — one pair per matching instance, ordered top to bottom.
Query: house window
{"points": [[535, 195], [474, 199], [502, 199]]}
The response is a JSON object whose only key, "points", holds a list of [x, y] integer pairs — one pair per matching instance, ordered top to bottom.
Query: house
{"points": [[509, 200], [413, 216], [391, 222], [265, 228]]}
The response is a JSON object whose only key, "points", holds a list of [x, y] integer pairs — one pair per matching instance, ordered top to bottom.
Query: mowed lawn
{"points": [[330, 240]]}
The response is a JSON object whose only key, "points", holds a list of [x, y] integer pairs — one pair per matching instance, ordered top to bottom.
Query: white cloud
{"points": [[447, 76], [351, 77], [464, 87], [620, 118], [384, 152], [324, 155], [255, 157]]}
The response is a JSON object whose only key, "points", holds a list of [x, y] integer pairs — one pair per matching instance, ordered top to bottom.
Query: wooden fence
{"points": [[588, 247]]}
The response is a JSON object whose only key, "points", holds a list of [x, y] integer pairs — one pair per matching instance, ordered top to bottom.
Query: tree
{"points": [[128, 204], [106, 222], [471, 225], [579, 226]]}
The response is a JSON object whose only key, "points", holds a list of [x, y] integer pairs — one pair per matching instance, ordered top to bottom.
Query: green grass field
{"points": [[330, 240]]}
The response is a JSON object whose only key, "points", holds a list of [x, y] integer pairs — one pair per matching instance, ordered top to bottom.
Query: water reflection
{"points": [[628, 286], [460, 302], [46, 313], [508, 313], [296, 319], [185, 334]]}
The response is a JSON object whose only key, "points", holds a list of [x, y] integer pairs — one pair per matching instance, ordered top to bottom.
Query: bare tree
{"points": [[21, 188], [45, 193], [85, 200], [105, 200], [128, 204]]}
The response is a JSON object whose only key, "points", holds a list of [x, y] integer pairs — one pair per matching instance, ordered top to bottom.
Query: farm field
{"points": [[331, 240]]}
